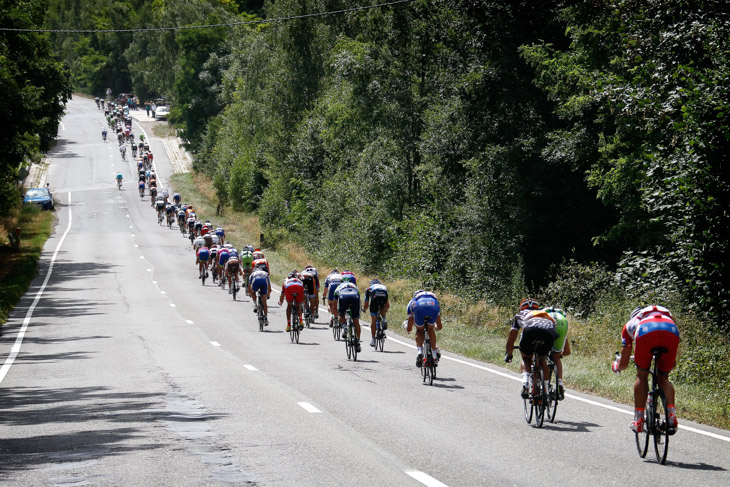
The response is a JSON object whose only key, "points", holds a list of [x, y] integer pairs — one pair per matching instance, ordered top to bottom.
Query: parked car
{"points": [[162, 112], [39, 196]]}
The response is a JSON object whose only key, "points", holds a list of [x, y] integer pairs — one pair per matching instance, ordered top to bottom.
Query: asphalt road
{"points": [[119, 368]]}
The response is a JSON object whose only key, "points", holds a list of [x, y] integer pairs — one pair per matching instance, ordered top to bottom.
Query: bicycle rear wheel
{"points": [[234, 290], [336, 330], [380, 341], [353, 345], [431, 369], [539, 398], [552, 405], [660, 428], [642, 439]]}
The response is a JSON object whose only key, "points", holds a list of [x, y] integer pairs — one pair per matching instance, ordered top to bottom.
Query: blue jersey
{"points": [[424, 306]]}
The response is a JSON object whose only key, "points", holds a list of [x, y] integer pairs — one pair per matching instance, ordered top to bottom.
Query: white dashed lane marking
{"points": [[251, 368], [308, 407]]}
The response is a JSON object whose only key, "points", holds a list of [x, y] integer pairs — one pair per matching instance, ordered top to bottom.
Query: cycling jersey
{"points": [[198, 242], [203, 254], [223, 256], [246, 258], [259, 262], [233, 265], [350, 275], [259, 281], [331, 283], [309, 284], [291, 287], [377, 295], [348, 299], [424, 305], [652, 327], [561, 328], [538, 331]]}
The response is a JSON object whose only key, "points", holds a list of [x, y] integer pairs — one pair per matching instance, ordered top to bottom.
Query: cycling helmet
{"points": [[258, 255], [308, 267], [293, 274], [346, 277], [374, 281], [417, 293], [529, 303], [636, 311]]}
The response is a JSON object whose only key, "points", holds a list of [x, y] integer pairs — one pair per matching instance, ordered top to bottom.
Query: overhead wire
{"points": [[207, 26]]}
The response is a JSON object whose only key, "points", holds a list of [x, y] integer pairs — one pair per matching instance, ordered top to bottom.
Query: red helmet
{"points": [[529, 303]]}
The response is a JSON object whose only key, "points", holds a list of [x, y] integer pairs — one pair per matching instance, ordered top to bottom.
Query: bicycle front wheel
{"points": [[660, 428], [642, 439]]}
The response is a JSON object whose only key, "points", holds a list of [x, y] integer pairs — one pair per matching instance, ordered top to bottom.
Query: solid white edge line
{"points": [[21, 334], [308, 407], [425, 479]]}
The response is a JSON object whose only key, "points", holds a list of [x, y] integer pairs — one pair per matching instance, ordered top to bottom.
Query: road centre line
{"points": [[19, 339], [215, 344], [250, 367], [308, 407], [425, 479]]}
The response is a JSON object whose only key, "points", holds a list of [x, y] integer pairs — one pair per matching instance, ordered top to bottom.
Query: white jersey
{"points": [[198, 242]]}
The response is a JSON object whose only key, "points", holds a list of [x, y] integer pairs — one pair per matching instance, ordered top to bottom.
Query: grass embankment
{"points": [[19, 265], [479, 331]]}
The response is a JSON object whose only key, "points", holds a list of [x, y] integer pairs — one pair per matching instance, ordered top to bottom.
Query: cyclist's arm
{"points": [[510, 347], [624, 357]]}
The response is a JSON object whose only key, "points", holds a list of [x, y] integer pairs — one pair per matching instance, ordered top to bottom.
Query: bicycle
{"points": [[119, 184], [170, 220], [203, 275], [222, 281], [234, 287], [260, 311], [308, 315], [294, 326], [380, 326], [336, 330], [351, 342], [428, 366], [537, 400], [552, 406], [656, 422]]}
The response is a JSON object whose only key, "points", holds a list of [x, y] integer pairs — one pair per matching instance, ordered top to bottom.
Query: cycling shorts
{"points": [[203, 254], [223, 258], [233, 267], [260, 284], [309, 285], [292, 289], [331, 289], [349, 302], [377, 304], [427, 309], [657, 334], [537, 340]]}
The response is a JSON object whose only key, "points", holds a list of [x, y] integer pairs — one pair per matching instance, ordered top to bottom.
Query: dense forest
{"points": [[575, 148]]}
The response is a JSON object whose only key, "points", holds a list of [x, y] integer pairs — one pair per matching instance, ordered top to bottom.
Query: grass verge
{"points": [[19, 266], [479, 331]]}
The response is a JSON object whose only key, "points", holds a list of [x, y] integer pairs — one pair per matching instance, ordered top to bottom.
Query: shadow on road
{"points": [[577, 427]]}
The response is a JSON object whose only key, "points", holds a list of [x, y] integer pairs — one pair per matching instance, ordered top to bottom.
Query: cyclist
{"points": [[103, 134], [123, 150], [134, 151], [119, 179], [141, 188], [176, 198], [160, 206], [170, 213], [181, 217], [221, 233], [199, 243], [202, 256], [223, 256], [246, 261], [261, 261], [233, 270], [313, 270], [349, 274], [259, 281], [331, 282], [291, 286], [311, 287], [378, 294], [347, 296], [424, 304], [649, 327], [538, 336], [561, 347]]}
